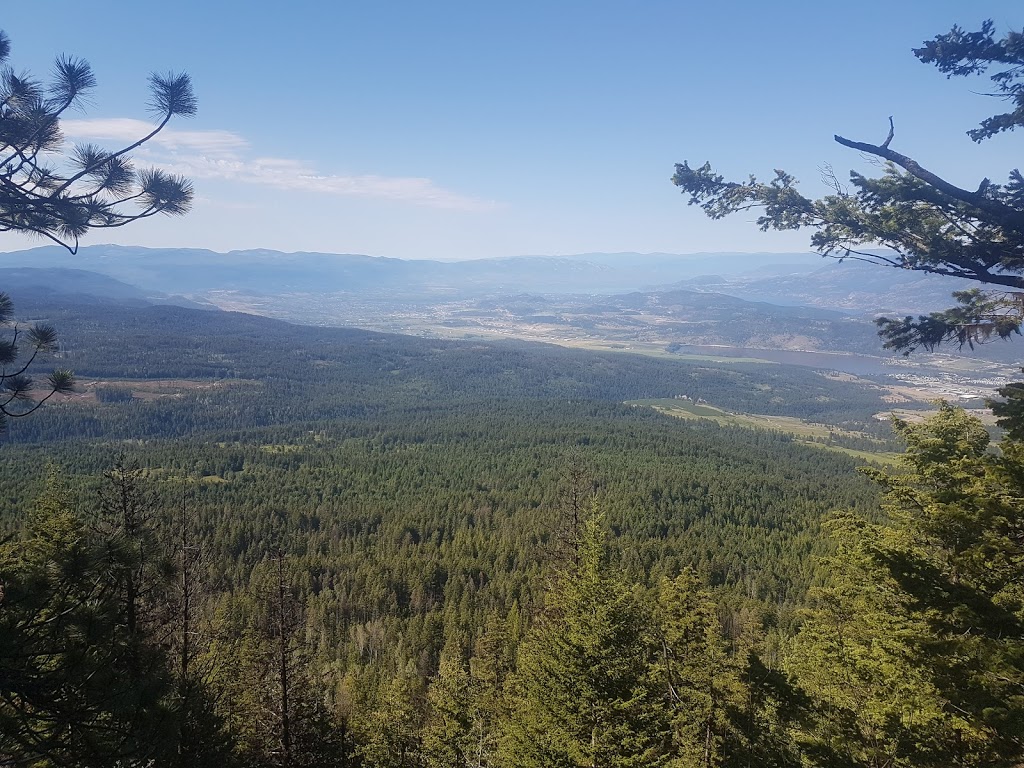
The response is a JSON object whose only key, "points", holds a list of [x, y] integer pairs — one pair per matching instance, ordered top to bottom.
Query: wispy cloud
{"points": [[125, 130], [227, 156]]}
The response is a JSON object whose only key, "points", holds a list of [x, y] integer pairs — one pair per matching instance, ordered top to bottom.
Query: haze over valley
{"points": [[794, 308]]}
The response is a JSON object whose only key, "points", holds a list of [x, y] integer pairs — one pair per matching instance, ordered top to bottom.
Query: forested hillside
{"points": [[273, 372], [280, 419], [414, 492], [316, 546]]}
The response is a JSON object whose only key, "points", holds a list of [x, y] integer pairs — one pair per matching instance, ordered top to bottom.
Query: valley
{"points": [[779, 308]]}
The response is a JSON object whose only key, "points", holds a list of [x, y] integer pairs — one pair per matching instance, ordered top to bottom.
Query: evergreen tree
{"points": [[90, 188], [922, 221], [18, 352], [959, 562], [139, 570], [916, 646], [857, 657], [236, 658], [492, 660], [703, 679], [78, 688], [267, 689], [583, 693], [772, 712], [392, 730], [448, 738], [202, 740]]}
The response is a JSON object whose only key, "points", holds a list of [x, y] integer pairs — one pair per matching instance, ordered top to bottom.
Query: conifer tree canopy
{"points": [[20, 348], [582, 694]]}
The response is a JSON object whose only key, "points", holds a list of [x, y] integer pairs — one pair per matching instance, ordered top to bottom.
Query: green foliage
{"points": [[959, 53], [978, 318], [343, 375], [19, 393], [114, 394], [1010, 410], [414, 491], [350, 561], [961, 569], [915, 649], [856, 657], [236, 658], [492, 660], [259, 670], [702, 677], [80, 687], [582, 693], [726, 708], [391, 732], [449, 740]]}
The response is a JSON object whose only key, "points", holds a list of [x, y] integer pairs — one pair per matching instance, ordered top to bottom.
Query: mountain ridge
{"points": [[780, 278]]}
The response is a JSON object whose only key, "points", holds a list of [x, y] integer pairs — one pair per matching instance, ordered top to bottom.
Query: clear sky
{"points": [[477, 129]]}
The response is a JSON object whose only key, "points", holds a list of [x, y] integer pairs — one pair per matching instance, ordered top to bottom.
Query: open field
{"points": [[145, 389], [984, 415], [805, 432]]}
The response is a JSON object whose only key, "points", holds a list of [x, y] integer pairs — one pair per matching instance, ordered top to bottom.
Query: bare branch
{"points": [[892, 132]]}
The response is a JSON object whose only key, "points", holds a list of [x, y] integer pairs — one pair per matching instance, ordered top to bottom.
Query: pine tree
{"points": [[60, 195], [911, 217], [20, 349], [958, 560], [139, 570], [915, 648], [856, 656], [492, 660], [237, 662], [583, 693], [269, 695], [773, 708], [392, 730], [448, 738], [202, 739]]}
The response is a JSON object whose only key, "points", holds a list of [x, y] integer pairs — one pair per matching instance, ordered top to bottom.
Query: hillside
{"points": [[330, 370], [408, 434]]}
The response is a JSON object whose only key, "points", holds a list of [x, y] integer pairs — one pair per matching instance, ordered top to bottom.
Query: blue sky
{"points": [[461, 130]]}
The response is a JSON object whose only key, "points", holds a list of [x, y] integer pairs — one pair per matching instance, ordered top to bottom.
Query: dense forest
{"points": [[317, 546]]}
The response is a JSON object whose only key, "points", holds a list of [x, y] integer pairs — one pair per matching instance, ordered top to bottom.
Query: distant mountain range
{"points": [[195, 271], [788, 278], [853, 286], [654, 301]]}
